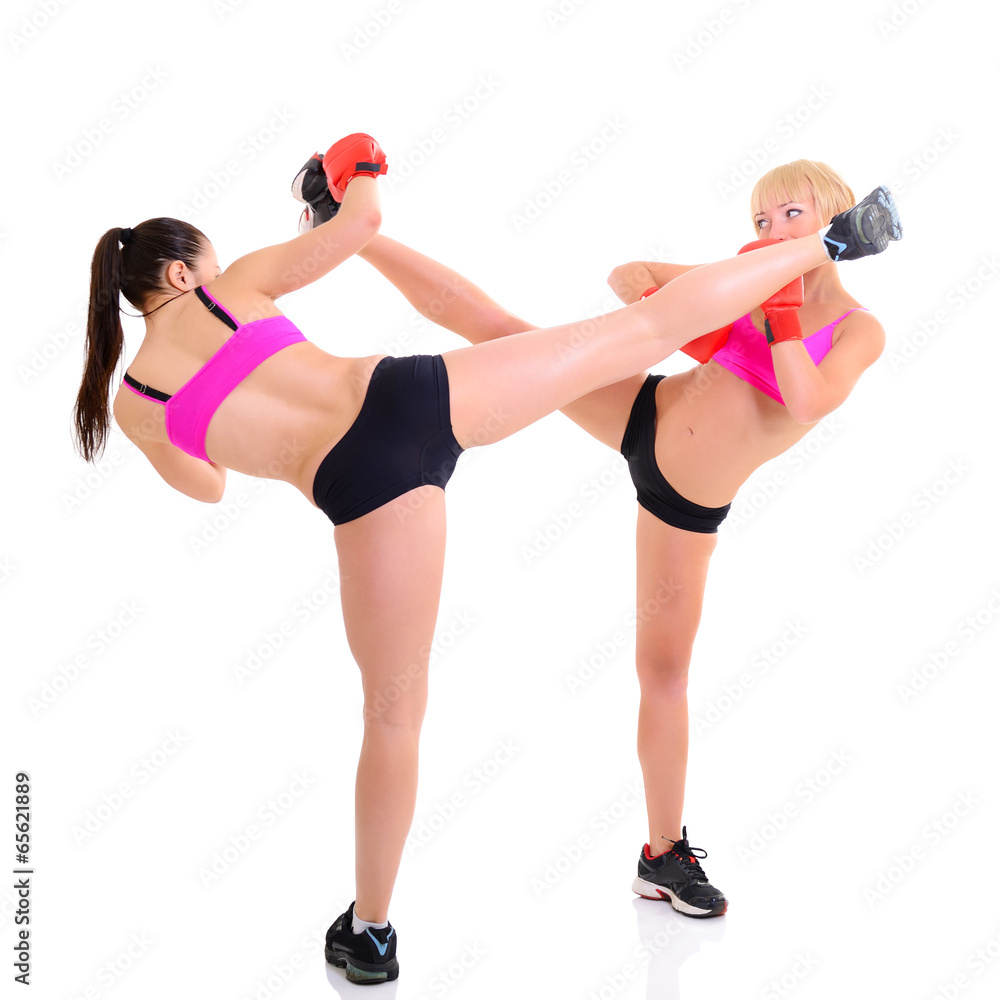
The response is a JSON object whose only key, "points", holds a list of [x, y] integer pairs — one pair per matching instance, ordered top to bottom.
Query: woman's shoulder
{"points": [[238, 296], [839, 312], [856, 317], [860, 329], [141, 420]]}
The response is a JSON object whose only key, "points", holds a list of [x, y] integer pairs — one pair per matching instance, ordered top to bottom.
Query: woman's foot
{"points": [[866, 229], [677, 877], [369, 957]]}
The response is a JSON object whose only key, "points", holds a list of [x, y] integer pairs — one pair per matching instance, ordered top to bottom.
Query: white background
{"points": [[874, 542]]}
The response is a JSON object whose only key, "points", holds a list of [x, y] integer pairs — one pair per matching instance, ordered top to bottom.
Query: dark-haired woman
{"points": [[223, 380]]}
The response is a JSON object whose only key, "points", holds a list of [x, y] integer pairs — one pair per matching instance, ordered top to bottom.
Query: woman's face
{"points": [[789, 220]]}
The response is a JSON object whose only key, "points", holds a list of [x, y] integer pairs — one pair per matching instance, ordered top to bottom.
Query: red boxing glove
{"points": [[348, 157], [757, 244], [781, 310], [781, 313], [781, 318], [702, 348]]}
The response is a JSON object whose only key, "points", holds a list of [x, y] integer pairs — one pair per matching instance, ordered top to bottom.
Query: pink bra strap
{"points": [[848, 313]]}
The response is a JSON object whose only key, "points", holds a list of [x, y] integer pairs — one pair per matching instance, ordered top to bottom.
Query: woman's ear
{"points": [[179, 276]]}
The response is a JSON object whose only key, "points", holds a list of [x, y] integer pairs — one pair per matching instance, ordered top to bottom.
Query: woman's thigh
{"points": [[499, 387], [391, 565], [671, 573]]}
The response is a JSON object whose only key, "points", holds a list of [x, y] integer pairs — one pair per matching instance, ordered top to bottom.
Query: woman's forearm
{"points": [[805, 391]]}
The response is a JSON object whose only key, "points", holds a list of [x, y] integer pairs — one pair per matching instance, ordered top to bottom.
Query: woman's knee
{"points": [[663, 674], [399, 703], [382, 710], [383, 728]]}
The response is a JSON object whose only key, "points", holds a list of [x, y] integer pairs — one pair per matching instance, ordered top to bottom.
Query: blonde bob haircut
{"points": [[793, 181]]}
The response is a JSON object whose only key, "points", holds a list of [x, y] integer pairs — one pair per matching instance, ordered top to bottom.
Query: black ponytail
{"points": [[135, 269]]}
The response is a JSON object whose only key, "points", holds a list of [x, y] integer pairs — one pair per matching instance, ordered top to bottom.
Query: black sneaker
{"points": [[310, 186], [865, 229], [677, 877], [369, 957]]}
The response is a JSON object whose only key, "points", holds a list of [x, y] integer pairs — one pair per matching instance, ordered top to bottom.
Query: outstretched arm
{"points": [[286, 267], [441, 294]]}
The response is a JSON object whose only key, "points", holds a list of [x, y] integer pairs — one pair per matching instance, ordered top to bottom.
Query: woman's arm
{"points": [[286, 267], [629, 281], [812, 391], [191, 476], [199, 480]]}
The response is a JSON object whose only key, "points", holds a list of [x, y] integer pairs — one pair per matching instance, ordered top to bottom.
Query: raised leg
{"points": [[457, 304], [502, 386], [391, 563], [671, 571]]}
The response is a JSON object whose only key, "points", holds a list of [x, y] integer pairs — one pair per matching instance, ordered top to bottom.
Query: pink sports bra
{"points": [[747, 355], [190, 410]]}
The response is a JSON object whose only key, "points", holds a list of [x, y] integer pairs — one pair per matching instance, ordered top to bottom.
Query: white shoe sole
{"points": [[649, 890]]}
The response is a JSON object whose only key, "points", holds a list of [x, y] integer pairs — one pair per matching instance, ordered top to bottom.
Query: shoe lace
{"points": [[686, 857]]}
